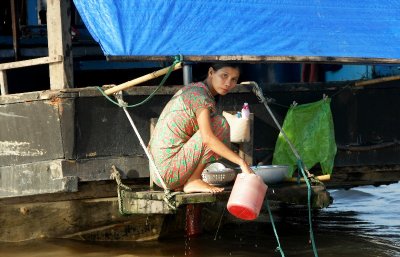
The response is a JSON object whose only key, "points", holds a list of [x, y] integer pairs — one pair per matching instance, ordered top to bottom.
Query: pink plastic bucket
{"points": [[247, 196]]}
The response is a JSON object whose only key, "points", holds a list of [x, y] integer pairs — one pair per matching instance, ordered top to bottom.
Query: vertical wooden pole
{"points": [[15, 29], [59, 43], [3, 82], [153, 123]]}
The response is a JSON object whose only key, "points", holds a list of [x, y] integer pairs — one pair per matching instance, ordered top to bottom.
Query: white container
{"points": [[246, 111], [239, 128]]}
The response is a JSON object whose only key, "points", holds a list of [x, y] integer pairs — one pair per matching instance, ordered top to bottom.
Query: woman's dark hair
{"points": [[220, 65], [200, 71]]}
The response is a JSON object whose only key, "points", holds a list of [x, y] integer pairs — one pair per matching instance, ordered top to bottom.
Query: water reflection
{"points": [[362, 222]]}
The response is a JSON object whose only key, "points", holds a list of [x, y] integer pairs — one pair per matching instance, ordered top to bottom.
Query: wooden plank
{"points": [[59, 43], [261, 59], [31, 62], [3, 82], [35, 96], [193, 198], [146, 202], [151, 202]]}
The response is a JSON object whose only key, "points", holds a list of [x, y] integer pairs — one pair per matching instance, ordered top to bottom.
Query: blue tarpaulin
{"points": [[320, 28]]}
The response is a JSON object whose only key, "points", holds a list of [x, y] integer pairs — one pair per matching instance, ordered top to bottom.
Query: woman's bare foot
{"points": [[199, 186]]}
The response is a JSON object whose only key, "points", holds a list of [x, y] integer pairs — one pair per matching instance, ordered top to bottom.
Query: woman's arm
{"points": [[216, 145]]}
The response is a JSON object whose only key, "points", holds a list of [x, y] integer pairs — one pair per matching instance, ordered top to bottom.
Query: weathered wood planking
{"points": [[94, 219]]}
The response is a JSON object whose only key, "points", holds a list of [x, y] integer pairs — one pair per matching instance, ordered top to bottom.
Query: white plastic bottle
{"points": [[245, 111]]}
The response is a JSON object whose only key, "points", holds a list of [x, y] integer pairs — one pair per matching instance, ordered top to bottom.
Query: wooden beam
{"points": [[59, 43], [261, 59], [31, 62], [3, 82]]}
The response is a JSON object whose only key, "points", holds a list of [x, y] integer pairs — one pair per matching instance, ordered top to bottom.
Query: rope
{"points": [[258, 92], [300, 165], [117, 177], [168, 196], [278, 248]]}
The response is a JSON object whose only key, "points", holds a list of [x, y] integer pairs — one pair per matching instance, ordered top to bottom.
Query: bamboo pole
{"points": [[141, 79], [375, 81], [320, 178]]}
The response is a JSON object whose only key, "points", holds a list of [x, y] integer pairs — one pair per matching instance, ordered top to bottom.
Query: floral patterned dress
{"points": [[176, 144]]}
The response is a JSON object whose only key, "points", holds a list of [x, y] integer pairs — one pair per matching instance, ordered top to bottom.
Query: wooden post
{"points": [[15, 28], [59, 43], [3, 83], [153, 122]]}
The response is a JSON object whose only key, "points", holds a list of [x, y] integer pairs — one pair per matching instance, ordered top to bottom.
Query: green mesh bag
{"points": [[310, 129]]}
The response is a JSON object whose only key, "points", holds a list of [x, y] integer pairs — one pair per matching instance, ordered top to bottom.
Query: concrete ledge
{"points": [[35, 178]]}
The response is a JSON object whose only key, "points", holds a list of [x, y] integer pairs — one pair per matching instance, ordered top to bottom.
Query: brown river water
{"points": [[361, 222]]}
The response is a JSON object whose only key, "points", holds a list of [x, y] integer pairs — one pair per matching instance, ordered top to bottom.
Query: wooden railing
{"points": [[59, 49], [20, 64]]}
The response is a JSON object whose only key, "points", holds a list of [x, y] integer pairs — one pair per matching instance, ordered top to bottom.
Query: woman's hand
{"points": [[216, 145], [245, 167]]}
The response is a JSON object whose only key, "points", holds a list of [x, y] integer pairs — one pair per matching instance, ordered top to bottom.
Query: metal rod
{"points": [[187, 74]]}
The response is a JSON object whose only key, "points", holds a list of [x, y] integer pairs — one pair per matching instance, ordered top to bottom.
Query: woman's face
{"points": [[223, 80]]}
